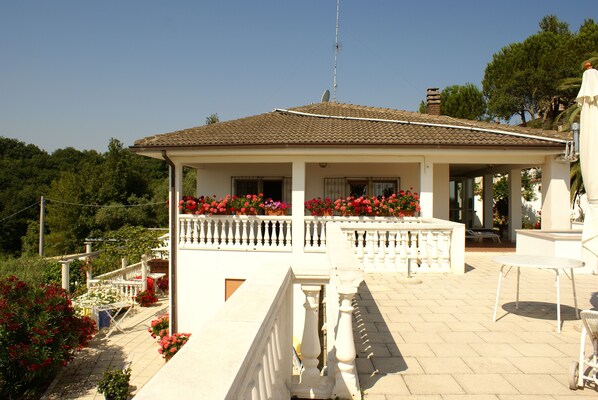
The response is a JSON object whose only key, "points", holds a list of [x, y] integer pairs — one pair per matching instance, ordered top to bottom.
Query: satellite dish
{"points": [[326, 96]]}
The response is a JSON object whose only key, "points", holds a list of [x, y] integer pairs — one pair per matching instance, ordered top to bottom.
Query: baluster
{"points": [[238, 225], [184, 227], [200, 230], [276, 233], [322, 234], [230, 235], [251, 236], [369, 237], [308, 242], [381, 242], [360, 246], [444, 248], [423, 250], [392, 251], [434, 251], [403, 256], [310, 342], [267, 376], [261, 382], [345, 385]]}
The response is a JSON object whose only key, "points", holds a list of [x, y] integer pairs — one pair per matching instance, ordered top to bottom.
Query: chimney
{"points": [[433, 101]]}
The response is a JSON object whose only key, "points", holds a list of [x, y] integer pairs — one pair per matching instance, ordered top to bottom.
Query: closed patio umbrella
{"points": [[588, 154]]}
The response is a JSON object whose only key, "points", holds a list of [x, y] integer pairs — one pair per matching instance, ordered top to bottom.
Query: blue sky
{"points": [[76, 73]]}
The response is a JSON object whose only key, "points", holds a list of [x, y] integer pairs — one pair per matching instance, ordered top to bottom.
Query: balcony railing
{"points": [[381, 244], [245, 351]]}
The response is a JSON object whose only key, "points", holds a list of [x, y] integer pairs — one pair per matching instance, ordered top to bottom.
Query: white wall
{"points": [[201, 277]]}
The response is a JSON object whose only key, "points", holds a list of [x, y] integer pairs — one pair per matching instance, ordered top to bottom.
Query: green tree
{"points": [[522, 78], [465, 102], [212, 119]]}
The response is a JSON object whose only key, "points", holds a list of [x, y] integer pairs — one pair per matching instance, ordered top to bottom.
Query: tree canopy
{"points": [[524, 78], [465, 102], [87, 193]]}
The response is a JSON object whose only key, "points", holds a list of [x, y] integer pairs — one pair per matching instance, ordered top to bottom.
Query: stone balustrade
{"points": [[235, 232], [381, 244], [245, 351]]}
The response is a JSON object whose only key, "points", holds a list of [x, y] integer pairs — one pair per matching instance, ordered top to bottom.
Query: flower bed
{"points": [[404, 203]]}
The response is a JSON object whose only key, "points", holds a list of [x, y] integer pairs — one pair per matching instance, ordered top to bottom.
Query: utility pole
{"points": [[42, 217]]}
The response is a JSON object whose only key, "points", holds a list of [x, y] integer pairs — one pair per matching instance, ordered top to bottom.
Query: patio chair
{"points": [[480, 235]]}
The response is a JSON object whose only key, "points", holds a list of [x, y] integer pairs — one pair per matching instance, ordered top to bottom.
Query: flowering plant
{"points": [[408, 200], [250, 204], [276, 205], [394, 205], [319, 206], [163, 284], [96, 296], [146, 298], [159, 327], [39, 333], [169, 345]]}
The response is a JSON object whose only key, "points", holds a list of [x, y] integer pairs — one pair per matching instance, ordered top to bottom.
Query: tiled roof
{"points": [[333, 124]]}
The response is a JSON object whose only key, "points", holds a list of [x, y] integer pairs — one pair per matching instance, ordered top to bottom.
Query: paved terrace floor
{"points": [[433, 341], [437, 341], [135, 348]]}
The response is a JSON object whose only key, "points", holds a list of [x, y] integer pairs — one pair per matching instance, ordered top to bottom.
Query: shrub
{"points": [[163, 284], [39, 333], [114, 384]]}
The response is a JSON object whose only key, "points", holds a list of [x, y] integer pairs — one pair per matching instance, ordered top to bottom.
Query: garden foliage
{"points": [[39, 333]]}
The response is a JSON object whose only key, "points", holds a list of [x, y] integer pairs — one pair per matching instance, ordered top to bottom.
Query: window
{"points": [[341, 187], [275, 188]]}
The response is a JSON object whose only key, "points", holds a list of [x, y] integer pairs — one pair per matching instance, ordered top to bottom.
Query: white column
{"points": [[488, 188], [426, 189], [298, 199], [514, 202], [556, 214], [144, 272], [65, 274], [310, 342], [345, 384]]}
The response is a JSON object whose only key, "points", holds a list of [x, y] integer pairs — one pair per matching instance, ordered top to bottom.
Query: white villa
{"points": [[323, 150]]}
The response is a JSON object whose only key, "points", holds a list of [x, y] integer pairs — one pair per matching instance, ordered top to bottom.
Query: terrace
{"points": [[434, 340]]}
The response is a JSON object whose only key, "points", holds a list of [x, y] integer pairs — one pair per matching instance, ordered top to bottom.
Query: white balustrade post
{"points": [[144, 268], [65, 274], [310, 342], [345, 385]]}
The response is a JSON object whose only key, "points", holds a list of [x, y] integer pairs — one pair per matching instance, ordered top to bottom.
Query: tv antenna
{"points": [[336, 51]]}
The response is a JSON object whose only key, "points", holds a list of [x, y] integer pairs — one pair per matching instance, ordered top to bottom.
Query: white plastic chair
{"points": [[577, 370]]}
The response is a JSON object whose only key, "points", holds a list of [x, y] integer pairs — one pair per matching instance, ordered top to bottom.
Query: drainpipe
{"points": [[173, 209]]}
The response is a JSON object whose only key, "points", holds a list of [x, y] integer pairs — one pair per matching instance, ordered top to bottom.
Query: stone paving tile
{"points": [[443, 329], [134, 347], [433, 384]]}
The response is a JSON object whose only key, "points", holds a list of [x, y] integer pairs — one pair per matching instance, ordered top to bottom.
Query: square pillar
{"points": [[426, 189], [488, 189], [298, 200], [515, 202], [556, 214]]}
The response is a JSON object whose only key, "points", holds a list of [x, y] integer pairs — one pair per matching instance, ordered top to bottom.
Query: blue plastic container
{"points": [[103, 319]]}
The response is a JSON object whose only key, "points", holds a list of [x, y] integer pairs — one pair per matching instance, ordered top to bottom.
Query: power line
{"points": [[20, 211]]}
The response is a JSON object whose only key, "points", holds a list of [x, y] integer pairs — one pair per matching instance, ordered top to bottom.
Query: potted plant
{"points": [[408, 203], [250, 204], [276, 207], [320, 207], [146, 298], [159, 327], [170, 345], [114, 385]]}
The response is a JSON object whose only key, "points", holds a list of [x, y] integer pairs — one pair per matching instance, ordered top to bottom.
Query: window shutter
{"points": [[287, 186]]}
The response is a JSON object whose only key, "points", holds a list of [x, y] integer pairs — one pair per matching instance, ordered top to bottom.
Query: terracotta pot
{"points": [[279, 211], [407, 213]]}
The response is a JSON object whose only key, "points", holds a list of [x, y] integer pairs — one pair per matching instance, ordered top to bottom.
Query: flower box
{"points": [[277, 212]]}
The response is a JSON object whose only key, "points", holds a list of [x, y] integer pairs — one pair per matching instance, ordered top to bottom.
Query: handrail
{"points": [[244, 352]]}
